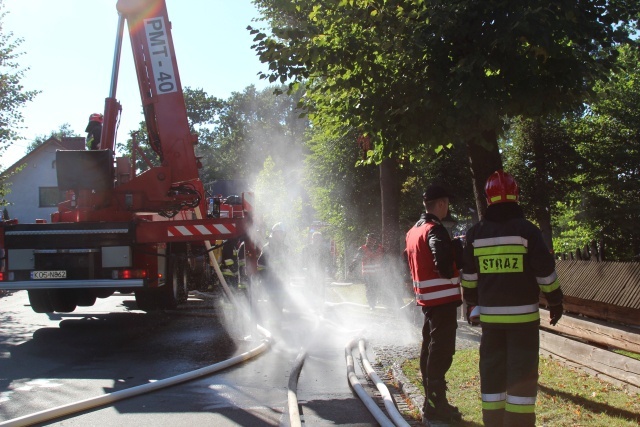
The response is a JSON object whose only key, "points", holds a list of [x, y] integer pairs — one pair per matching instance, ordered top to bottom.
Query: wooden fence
{"points": [[605, 290]]}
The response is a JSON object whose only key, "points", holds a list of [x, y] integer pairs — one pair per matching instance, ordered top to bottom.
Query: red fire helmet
{"points": [[96, 117], [501, 187]]}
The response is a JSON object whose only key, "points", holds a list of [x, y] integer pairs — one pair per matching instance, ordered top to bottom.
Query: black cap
{"points": [[434, 192]]}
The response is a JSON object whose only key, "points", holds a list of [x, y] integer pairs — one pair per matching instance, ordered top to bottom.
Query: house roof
{"points": [[66, 143]]}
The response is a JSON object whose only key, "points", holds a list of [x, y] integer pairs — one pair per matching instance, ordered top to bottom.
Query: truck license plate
{"points": [[57, 274]]}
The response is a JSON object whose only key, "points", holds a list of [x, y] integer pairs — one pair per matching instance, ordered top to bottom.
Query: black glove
{"points": [[556, 313]]}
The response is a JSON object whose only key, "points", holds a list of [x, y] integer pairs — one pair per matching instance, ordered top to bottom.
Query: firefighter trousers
{"points": [[371, 288], [438, 342], [509, 375]]}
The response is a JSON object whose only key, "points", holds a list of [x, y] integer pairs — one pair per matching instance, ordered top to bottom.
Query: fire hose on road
{"points": [[106, 399], [394, 418]]}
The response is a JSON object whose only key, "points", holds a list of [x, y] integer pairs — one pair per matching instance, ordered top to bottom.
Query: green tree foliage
{"points": [[421, 74], [12, 94], [202, 110], [251, 126], [64, 131], [145, 157], [542, 157], [448, 167], [580, 173], [346, 197], [277, 200], [607, 202]]}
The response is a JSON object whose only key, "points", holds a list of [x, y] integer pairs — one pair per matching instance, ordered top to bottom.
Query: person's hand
{"points": [[555, 313], [472, 320]]}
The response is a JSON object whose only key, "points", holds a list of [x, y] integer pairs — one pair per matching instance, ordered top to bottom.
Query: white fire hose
{"points": [[109, 398], [396, 417]]}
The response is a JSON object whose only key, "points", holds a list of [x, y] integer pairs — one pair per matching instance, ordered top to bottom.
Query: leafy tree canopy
{"points": [[413, 73], [12, 94], [202, 110], [251, 126], [64, 131], [608, 137], [581, 172], [345, 197]]}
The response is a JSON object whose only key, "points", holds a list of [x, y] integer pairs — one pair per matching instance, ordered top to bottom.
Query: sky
{"points": [[69, 46]]}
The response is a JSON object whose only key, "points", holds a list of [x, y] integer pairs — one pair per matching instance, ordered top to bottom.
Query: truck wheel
{"points": [[103, 293], [169, 294], [85, 297], [168, 297], [147, 299], [39, 300], [63, 300]]}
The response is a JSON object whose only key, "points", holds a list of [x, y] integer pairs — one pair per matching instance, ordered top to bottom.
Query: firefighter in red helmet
{"points": [[94, 131], [506, 265]]}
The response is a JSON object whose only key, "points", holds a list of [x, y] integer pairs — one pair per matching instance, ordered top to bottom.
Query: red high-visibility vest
{"points": [[371, 259], [430, 289]]}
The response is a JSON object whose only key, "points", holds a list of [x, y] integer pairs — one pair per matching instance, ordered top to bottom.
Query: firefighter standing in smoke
{"points": [[430, 254], [370, 256], [316, 259], [232, 261], [506, 265], [272, 267]]}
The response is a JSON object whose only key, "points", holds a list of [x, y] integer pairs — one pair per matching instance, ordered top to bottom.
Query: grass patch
{"points": [[347, 293], [355, 293], [628, 354], [567, 397]]}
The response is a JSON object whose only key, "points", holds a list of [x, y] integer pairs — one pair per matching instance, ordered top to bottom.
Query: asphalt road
{"points": [[52, 360]]}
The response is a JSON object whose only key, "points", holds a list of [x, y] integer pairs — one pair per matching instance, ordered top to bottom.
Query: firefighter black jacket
{"points": [[506, 265]]}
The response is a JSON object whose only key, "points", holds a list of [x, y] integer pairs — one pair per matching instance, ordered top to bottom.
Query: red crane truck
{"points": [[117, 231]]}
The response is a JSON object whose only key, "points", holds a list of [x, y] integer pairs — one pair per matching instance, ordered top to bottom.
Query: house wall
{"points": [[39, 171]]}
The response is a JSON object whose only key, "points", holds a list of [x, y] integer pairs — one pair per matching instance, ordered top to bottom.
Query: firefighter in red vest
{"points": [[370, 256], [431, 258], [506, 266]]}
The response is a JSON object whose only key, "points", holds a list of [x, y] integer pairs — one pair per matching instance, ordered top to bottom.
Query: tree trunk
{"points": [[484, 159], [390, 200], [542, 210], [543, 218]]}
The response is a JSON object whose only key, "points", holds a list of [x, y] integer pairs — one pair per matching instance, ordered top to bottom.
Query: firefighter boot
{"points": [[437, 409]]}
